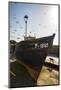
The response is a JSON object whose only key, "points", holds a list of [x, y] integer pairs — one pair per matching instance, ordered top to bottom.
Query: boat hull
{"points": [[33, 56]]}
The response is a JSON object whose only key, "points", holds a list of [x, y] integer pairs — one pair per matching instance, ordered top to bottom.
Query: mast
{"points": [[25, 19]]}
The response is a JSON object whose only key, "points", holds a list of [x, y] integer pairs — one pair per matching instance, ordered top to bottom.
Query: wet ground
{"points": [[47, 77]]}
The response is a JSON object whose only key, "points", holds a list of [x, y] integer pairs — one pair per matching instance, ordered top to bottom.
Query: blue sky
{"points": [[42, 20]]}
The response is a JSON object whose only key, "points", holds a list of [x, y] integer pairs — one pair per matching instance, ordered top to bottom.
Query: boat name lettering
{"points": [[43, 45]]}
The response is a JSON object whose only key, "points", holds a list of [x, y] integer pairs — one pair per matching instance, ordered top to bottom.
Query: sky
{"points": [[42, 20]]}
